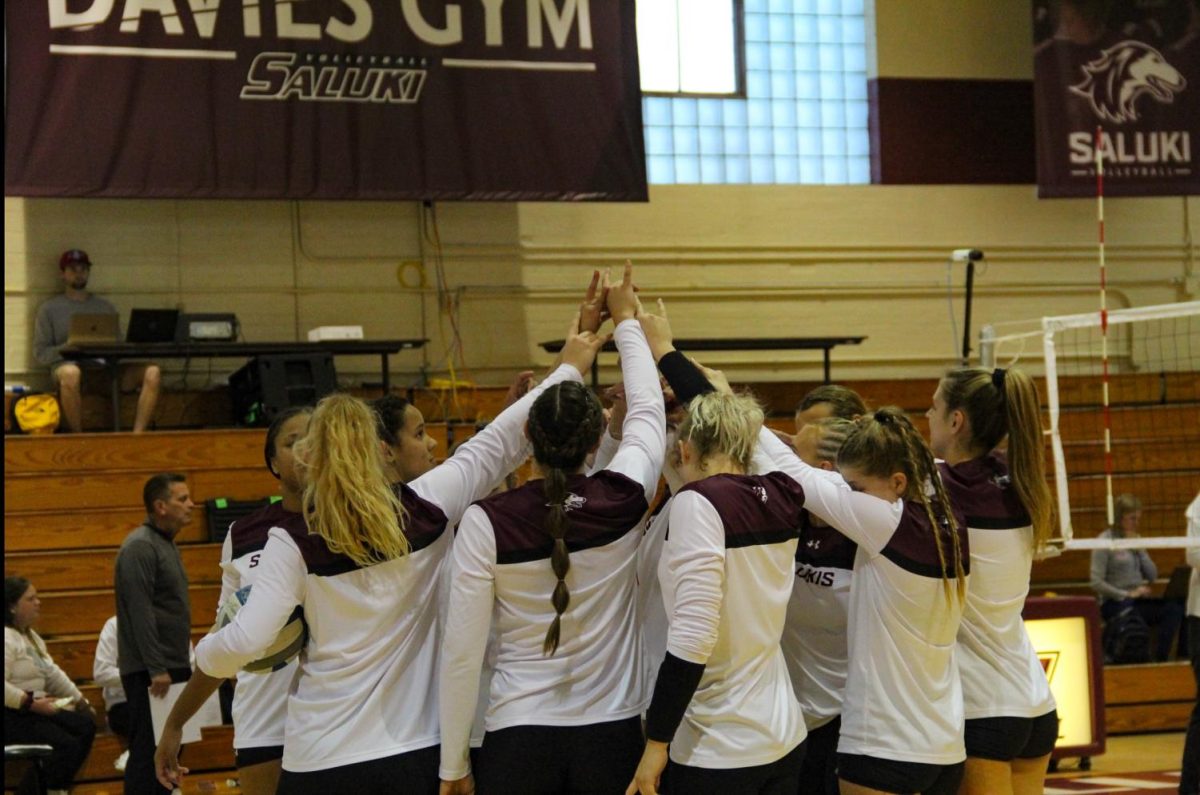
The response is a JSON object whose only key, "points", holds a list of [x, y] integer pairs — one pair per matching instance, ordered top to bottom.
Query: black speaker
{"points": [[268, 384]]}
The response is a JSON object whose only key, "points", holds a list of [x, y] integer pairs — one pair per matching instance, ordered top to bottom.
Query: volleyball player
{"points": [[408, 449], [551, 566], [814, 636], [260, 699], [723, 707], [363, 712], [902, 714], [1011, 722]]}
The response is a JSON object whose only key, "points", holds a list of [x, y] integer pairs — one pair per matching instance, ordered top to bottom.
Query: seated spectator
{"points": [[50, 333], [1122, 578], [106, 674], [41, 705]]}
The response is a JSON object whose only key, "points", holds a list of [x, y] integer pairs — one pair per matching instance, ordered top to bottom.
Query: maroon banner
{"points": [[1130, 68], [330, 99]]}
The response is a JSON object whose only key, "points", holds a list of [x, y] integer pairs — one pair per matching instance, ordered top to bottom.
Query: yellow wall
{"points": [[975, 39], [731, 260]]}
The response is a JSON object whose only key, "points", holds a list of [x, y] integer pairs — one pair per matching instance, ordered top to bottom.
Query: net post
{"points": [[1056, 446]]}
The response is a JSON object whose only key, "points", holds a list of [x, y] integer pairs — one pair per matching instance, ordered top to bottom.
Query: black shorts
{"points": [[1006, 739], [257, 755], [532, 760], [417, 770], [890, 775], [781, 777]]}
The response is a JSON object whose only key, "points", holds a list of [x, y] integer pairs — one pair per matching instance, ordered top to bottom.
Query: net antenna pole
{"points": [[1108, 460]]}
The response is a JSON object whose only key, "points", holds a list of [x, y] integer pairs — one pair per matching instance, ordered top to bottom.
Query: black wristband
{"points": [[685, 378], [673, 690], [27, 701]]}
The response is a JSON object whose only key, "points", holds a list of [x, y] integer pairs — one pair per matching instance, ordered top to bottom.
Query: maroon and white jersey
{"points": [[726, 574], [501, 579], [814, 637], [1001, 674], [366, 687], [903, 698], [260, 699]]}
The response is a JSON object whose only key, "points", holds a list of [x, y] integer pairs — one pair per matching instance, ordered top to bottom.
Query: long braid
{"points": [[564, 424], [941, 516]]}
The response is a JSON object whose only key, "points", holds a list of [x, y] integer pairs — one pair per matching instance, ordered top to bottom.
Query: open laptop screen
{"points": [[152, 325]]}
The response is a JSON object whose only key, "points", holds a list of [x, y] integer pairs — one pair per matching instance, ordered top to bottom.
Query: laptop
{"points": [[152, 325], [87, 328], [1177, 586]]}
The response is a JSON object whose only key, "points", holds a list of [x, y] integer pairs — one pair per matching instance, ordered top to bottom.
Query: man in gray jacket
{"points": [[154, 619]]}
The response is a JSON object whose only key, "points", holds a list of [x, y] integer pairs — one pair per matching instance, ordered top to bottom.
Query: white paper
{"points": [[209, 714]]}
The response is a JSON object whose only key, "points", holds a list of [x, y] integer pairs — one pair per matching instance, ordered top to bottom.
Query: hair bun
{"points": [[883, 417]]}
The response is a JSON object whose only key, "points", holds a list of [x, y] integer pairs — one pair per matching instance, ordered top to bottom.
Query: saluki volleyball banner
{"points": [[1131, 69], [329, 99]]}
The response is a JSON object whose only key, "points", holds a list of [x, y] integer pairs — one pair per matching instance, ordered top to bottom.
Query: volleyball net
{"points": [[1123, 416]]}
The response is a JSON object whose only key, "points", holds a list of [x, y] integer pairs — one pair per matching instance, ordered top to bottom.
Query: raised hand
{"points": [[623, 302], [593, 311], [657, 330], [581, 347], [715, 377], [517, 389], [616, 395]]}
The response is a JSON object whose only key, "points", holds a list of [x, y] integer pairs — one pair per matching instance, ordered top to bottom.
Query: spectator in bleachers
{"points": [[50, 333], [1122, 579], [107, 674], [41, 704]]}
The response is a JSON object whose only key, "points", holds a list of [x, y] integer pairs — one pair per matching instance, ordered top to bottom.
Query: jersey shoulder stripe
{"points": [[982, 489], [601, 508], [754, 509], [249, 534]]}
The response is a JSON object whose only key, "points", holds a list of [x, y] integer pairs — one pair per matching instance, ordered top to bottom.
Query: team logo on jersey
{"points": [[1114, 82], [1002, 481], [760, 492], [572, 502], [814, 544]]}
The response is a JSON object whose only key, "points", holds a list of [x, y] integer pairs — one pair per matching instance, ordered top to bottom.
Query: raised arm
{"points": [[644, 431], [485, 458], [867, 521], [464, 643]]}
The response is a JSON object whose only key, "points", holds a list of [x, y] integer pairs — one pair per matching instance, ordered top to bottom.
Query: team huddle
{"points": [[834, 611]]}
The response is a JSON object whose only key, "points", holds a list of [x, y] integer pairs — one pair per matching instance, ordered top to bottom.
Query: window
{"points": [[690, 46], [801, 117]]}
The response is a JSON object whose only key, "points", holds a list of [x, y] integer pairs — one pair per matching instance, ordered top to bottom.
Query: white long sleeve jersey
{"points": [[726, 574], [501, 578], [814, 636], [105, 671], [1001, 674], [366, 687], [903, 697], [260, 699]]}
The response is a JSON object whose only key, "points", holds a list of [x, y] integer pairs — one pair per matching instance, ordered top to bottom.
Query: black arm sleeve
{"points": [[684, 377], [676, 684]]}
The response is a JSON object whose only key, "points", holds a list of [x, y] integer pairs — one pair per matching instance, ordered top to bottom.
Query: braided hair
{"points": [[565, 423], [886, 442]]}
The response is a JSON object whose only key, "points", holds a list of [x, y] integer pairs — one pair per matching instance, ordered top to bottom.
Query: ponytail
{"points": [[999, 403], [564, 425], [886, 442]]}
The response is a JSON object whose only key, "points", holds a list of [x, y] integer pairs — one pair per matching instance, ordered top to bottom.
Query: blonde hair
{"points": [[1000, 403], [724, 424], [886, 442], [348, 499]]}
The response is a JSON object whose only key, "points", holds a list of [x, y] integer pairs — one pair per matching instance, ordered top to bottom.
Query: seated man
{"points": [[50, 334]]}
